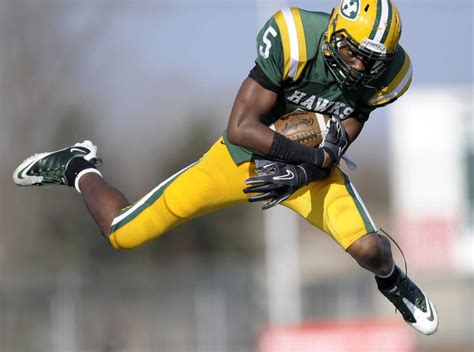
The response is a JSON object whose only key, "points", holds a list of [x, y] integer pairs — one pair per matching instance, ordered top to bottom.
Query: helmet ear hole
{"points": [[367, 8]]}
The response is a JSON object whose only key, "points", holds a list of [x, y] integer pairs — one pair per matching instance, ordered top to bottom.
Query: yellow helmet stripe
{"points": [[285, 41], [294, 42], [301, 42], [397, 87]]}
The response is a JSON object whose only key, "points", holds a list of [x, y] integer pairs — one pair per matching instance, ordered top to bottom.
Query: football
{"points": [[306, 127]]}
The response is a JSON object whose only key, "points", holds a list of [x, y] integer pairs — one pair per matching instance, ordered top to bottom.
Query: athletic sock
{"points": [[76, 169], [384, 283]]}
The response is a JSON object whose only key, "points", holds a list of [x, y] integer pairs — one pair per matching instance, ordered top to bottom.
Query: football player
{"points": [[344, 64]]}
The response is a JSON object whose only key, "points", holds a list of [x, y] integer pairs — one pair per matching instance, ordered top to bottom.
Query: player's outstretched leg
{"points": [[75, 166], [373, 252]]}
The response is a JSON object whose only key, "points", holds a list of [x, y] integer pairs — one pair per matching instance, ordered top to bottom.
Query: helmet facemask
{"points": [[375, 60]]}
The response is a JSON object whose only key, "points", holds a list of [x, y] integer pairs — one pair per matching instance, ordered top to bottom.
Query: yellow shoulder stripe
{"points": [[285, 41], [293, 42], [301, 42], [396, 88]]}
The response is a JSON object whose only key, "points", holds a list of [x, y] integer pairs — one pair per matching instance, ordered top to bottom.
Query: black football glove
{"points": [[335, 143], [278, 180], [275, 183]]}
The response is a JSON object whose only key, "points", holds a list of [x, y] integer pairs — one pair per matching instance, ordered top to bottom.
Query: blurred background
{"points": [[152, 83]]}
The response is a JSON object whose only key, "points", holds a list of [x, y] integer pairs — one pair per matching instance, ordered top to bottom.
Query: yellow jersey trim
{"points": [[285, 41], [293, 41], [301, 42]]}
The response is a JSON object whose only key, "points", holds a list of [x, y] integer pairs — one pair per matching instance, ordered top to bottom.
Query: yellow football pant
{"points": [[216, 182]]}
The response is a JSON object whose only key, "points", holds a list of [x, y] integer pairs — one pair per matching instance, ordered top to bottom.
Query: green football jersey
{"points": [[289, 52]]}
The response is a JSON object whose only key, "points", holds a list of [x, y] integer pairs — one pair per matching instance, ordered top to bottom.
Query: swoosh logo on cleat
{"points": [[22, 174], [417, 312], [431, 317]]}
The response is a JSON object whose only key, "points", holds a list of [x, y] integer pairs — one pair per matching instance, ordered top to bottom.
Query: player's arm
{"points": [[258, 93], [257, 96], [353, 127], [245, 128]]}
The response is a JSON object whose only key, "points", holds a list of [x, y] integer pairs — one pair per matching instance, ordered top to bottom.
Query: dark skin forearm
{"points": [[245, 127], [353, 127]]}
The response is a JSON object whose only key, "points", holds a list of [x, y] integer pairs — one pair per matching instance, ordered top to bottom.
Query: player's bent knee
{"points": [[141, 223], [136, 233], [126, 240], [370, 250]]}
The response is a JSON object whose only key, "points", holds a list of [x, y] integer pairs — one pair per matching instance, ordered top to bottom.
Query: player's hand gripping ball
{"points": [[306, 127]]}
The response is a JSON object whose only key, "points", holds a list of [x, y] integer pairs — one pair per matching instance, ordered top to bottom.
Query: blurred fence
{"points": [[189, 306], [168, 308]]}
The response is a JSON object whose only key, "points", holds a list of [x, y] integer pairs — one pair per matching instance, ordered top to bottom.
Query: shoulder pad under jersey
{"points": [[395, 81]]}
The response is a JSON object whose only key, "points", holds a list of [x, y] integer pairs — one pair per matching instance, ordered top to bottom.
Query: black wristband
{"points": [[284, 149], [319, 157], [313, 172], [302, 175]]}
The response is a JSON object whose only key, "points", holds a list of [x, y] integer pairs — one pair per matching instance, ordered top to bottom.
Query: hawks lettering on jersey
{"points": [[320, 104]]}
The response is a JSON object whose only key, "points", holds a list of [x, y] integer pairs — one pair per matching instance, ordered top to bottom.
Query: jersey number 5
{"points": [[265, 51]]}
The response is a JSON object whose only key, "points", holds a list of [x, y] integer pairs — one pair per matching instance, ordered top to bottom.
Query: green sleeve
{"points": [[270, 52]]}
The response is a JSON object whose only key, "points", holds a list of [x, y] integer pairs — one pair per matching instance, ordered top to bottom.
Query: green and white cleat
{"points": [[50, 168], [416, 308]]}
